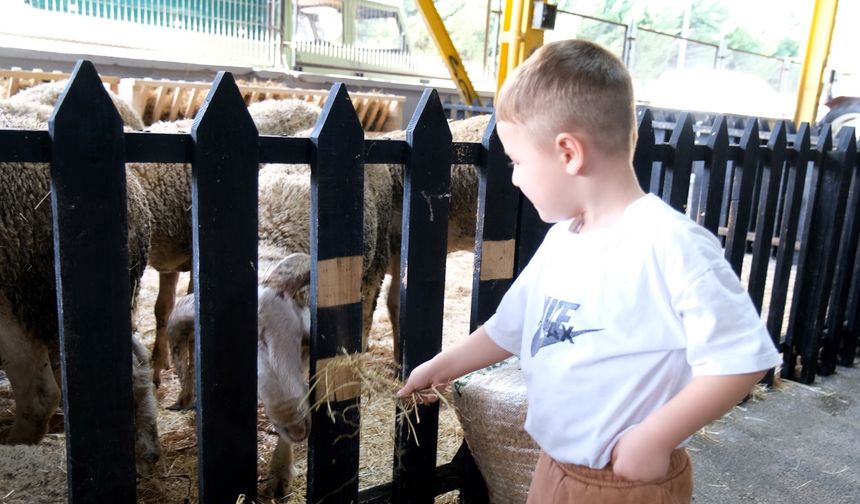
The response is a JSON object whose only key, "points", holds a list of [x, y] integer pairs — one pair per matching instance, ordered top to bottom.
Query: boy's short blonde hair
{"points": [[572, 86]]}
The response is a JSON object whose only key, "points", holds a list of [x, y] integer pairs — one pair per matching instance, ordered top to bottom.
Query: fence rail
{"points": [[747, 181]]}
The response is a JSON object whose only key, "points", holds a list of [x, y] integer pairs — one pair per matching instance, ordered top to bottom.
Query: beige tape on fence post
{"points": [[497, 259], [339, 281], [338, 284], [336, 381]]}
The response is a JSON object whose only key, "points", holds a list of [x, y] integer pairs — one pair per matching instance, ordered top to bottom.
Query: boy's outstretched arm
{"points": [[473, 352], [642, 453]]}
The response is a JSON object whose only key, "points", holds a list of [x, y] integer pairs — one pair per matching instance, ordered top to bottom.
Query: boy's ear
{"points": [[572, 151]]}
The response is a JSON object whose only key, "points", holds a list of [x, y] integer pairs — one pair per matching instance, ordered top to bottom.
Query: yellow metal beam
{"points": [[518, 39], [448, 51], [814, 60]]}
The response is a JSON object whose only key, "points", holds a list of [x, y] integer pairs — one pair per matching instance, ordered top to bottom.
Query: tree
{"points": [[740, 38], [787, 48]]}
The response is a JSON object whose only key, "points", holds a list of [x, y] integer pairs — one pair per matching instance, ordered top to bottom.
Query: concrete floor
{"points": [[800, 444]]}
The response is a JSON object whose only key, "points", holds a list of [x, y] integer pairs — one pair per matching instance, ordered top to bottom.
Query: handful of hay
{"points": [[351, 375]]}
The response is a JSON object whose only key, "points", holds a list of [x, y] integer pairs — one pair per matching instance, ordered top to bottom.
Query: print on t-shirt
{"points": [[554, 326]]}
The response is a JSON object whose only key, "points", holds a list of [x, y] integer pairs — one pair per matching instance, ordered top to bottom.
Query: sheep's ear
{"points": [[290, 275]]}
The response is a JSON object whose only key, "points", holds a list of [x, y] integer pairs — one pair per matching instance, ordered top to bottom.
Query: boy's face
{"points": [[540, 171]]}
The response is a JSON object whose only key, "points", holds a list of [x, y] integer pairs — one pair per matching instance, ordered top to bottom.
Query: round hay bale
{"points": [[491, 405]]}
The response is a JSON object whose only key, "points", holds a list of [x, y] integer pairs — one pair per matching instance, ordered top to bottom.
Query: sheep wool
{"points": [[48, 93], [283, 117], [26, 236]]}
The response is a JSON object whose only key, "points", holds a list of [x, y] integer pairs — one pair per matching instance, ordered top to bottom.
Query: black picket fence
{"points": [[749, 187]]}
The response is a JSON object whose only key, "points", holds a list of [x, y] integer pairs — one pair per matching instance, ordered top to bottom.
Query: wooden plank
{"points": [[18, 79], [163, 96], [192, 105], [361, 108], [373, 108], [173, 113], [393, 116], [377, 120], [25, 146], [846, 147], [289, 150], [385, 151], [644, 152], [771, 172], [676, 176], [711, 187], [741, 196], [88, 202], [426, 204], [337, 210], [827, 217], [496, 228], [530, 233], [495, 254], [224, 262], [799, 313], [848, 349]]}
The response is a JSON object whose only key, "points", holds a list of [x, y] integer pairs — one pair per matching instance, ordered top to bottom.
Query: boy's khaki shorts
{"points": [[573, 484]]}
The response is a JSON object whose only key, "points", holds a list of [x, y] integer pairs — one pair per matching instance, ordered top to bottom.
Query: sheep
{"points": [[48, 93], [37, 112], [283, 117], [168, 193], [462, 216], [284, 223], [284, 230], [283, 324], [28, 333]]}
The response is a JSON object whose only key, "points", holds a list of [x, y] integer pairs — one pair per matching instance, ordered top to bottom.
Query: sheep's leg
{"points": [[393, 302], [368, 306], [163, 307], [183, 358], [28, 367], [281, 472]]}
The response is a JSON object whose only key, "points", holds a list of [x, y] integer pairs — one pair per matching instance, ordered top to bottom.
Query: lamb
{"points": [[168, 193], [462, 216], [284, 229], [283, 324], [28, 331]]}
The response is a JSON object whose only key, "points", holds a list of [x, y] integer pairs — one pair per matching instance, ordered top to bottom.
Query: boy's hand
{"points": [[473, 352], [420, 379], [637, 457]]}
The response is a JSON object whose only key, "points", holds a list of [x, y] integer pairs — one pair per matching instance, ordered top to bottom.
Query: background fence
{"points": [[350, 37], [748, 186]]}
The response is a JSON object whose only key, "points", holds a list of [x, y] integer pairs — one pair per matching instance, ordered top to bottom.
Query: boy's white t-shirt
{"points": [[612, 323]]}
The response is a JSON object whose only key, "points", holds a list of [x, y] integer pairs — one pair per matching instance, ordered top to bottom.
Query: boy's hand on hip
{"points": [[637, 456]]}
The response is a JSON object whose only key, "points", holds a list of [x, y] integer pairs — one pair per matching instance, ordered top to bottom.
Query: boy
{"points": [[632, 330]]}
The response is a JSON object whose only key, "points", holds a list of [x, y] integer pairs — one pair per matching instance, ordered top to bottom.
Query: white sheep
{"points": [[283, 117], [168, 194], [462, 217], [284, 230], [28, 296], [282, 324]]}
